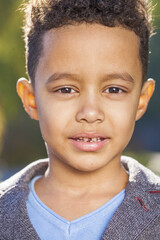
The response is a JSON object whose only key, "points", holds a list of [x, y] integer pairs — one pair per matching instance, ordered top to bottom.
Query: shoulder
{"points": [[140, 174], [23, 177], [19, 181], [143, 183], [13, 194], [139, 214]]}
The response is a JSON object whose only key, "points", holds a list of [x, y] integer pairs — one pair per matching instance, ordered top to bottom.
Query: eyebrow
{"points": [[57, 76], [111, 76], [124, 76]]}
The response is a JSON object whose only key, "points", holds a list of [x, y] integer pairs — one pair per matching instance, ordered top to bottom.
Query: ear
{"points": [[26, 93], [146, 94]]}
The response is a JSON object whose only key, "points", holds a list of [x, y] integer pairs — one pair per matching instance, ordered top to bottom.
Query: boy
{"points": [[87, 64]]}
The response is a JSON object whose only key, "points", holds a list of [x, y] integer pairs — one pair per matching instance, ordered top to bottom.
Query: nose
{"points": [[90, 111]]}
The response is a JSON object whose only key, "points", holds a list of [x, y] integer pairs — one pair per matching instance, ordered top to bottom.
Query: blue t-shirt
{"points": [[50, 225]]}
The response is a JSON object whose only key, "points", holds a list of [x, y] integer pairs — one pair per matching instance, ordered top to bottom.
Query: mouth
{"points": [[84, 139], [89, 143]]}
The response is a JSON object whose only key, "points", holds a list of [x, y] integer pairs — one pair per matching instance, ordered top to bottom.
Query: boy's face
{"points": [[88, 94]]}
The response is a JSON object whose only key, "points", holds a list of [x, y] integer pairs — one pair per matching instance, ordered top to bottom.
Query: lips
{"points": [[89, 141]]}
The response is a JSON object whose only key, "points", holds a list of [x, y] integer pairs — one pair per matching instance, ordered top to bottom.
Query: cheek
{"points": [[124, 118], [54, 119]]}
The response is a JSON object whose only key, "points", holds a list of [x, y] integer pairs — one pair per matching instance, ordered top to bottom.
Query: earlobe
{"points": [[26, 93], [146, 94]]}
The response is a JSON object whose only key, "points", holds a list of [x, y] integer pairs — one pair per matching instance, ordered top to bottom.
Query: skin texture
{"points": [[101, 68]]}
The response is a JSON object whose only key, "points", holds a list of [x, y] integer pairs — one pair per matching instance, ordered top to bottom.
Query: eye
{"points": [[65, 90], [114, 90]]}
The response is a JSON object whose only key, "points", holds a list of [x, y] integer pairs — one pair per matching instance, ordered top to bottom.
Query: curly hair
{"points": [[43, 15]]}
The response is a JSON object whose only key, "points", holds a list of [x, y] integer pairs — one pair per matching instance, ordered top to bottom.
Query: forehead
{"points": [[90, 34], [89, 48]]}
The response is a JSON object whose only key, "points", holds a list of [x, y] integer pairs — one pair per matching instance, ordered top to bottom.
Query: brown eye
{"points": [[65, 90], [114, 90]]}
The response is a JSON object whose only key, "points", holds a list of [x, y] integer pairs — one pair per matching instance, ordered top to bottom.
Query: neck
{"points": [[59, 177]]}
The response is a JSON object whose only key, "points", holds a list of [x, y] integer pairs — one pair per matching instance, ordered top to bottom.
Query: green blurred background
{"points": [[21, 141]]}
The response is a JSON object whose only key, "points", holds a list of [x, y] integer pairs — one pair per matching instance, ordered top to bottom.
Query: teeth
{"points": [[86, 139], [89, 139]]}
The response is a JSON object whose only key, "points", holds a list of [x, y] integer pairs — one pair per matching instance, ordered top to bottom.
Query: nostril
{"points": [[90, 115]]}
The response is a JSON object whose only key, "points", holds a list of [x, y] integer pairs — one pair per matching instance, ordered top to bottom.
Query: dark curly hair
{"points": [[43, 15]]}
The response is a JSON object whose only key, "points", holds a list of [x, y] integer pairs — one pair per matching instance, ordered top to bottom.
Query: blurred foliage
{"points": [[12, 61], [154, 70], [2, 126], [147, 131], [22, 140]]}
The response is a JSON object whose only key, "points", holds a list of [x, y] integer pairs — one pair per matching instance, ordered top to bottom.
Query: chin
{"points": [[88, 168]]}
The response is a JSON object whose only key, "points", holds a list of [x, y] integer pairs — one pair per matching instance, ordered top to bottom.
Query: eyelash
{"points": [[61, 89], [115, 90]]}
